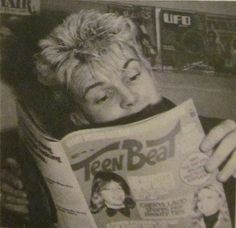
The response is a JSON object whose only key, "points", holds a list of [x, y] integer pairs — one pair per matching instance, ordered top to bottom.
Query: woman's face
{"points": [[122, 86], [113, 194], [209, 202]]}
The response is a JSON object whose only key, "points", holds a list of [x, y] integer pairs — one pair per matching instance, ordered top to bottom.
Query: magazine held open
{"points": [[145, 174]]}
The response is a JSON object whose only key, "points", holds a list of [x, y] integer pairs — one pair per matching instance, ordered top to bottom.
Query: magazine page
{"points": [[56, 171], [147, 174]]}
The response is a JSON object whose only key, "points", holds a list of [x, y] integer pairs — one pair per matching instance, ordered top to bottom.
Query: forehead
{"points": [[106, 67], [112, 184], [207, 192]]}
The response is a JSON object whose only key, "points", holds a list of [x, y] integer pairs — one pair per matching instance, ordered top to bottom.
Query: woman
{"points": [[110, 190], [210, 208]]}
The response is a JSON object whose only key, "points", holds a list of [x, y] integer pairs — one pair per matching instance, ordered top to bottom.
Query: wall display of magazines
{"points": [[184, 40]]}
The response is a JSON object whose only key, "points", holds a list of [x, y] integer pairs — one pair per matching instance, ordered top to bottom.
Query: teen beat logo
{"points": [[136, 155]]}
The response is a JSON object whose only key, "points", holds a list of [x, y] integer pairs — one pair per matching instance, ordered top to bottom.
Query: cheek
{"points": [[141, 88], [108, 111], [104, 113], [121, 195], [108, 196]]}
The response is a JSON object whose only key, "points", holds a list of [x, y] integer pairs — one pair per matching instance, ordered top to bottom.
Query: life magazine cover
{"points": [[117, 114], [146, 174]]}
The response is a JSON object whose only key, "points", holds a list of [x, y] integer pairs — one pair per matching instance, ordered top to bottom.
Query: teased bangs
{"points": [[82, 38]]}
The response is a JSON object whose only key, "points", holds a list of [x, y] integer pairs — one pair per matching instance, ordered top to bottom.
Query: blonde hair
{"points": [[81, 38], [220, 192]]}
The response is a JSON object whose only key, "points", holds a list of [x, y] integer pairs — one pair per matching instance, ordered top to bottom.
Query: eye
{"points": [[134, 77], [106, 96], [101, 99]]}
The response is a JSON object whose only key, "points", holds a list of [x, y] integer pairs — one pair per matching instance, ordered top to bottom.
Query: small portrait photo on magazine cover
{"points": [[110, 191], [210, 208]]}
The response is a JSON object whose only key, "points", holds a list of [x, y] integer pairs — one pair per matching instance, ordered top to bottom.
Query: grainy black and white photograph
{"points": [[117, 114]]}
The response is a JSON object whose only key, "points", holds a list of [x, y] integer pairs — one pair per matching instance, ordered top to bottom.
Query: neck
{"points": [[211, 220]]}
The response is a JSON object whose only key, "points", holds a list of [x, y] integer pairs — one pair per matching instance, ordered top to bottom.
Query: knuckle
{"points": [[229, 124], [215, 133], [8, 189], [9, 199], [11, 207]]}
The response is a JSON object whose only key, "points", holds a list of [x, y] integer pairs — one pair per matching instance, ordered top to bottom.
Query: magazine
{"points": [[145, 19], [182, 32], [221, 42], [148, 173]]}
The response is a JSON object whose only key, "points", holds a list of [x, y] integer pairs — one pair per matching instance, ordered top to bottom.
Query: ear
{"points": [[79, 119]]}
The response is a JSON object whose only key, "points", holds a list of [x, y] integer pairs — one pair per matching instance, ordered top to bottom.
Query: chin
{"points": [[209, 213]]}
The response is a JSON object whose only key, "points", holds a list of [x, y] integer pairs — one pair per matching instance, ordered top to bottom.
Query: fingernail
{"points": [[221, 178]]}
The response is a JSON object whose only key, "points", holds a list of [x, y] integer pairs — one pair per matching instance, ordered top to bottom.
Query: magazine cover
{"points": [[145, 19], [183, 32], [221, 33], [96, 132], [145, 174]]}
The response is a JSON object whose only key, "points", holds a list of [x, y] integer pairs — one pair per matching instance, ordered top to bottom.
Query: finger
{"points": [[217, 134], [222, 152], [14, 166], [229, 169], [11, 179], [9, 190], [14, 200], [20, 209]]}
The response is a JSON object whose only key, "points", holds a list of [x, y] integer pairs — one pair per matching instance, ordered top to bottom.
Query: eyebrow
{"points": [[128, 62], [91, 87]]}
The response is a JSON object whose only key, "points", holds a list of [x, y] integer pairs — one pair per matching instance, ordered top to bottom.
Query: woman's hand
{"points": [[222, 140], [12, 195]]}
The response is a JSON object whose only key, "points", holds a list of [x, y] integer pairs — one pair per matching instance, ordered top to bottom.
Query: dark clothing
{"points": [[211, 220]]}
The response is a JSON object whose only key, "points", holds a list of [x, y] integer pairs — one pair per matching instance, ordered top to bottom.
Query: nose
{"points": [[128, 98]]}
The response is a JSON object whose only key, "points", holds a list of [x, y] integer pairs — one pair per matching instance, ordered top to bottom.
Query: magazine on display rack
{"points": [[148, 28]]}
